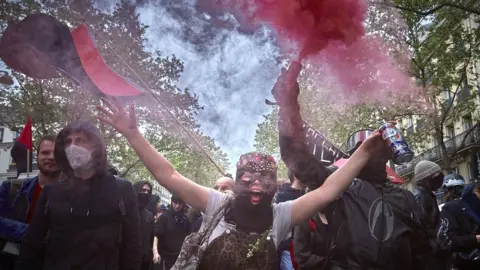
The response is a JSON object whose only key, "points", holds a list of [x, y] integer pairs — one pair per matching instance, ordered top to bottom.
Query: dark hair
{"points": [[50, 138], [228, 175]]}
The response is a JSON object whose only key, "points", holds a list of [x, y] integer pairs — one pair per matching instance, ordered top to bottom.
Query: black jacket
{"points": [[429, 211], [90, 224], [147, 227], [171, 229], [457, 231], [311, 247]]}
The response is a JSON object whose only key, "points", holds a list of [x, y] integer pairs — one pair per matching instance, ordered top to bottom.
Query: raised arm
{"points": [[293, 148], [163, 171], [317, 200]]}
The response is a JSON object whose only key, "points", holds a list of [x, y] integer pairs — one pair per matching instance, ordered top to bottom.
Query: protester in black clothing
{"points": [[429, 178], [453, 186], [288, 192], [90, 218], [147, 223], [171, 230], [459, 230], [361, 239], [311, 243]]}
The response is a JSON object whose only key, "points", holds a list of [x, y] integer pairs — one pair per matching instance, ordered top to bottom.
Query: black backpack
{"points": [[375, 227]]}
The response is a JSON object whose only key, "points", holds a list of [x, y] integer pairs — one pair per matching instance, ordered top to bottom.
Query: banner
{"points": [[325, 151]]}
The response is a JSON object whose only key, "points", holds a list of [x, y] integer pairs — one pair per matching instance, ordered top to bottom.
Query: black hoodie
{"points": [[89, 224], [147, 225]]}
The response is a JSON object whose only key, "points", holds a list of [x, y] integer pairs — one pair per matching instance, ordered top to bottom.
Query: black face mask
{"points": [[143, 199], [248, 217]]}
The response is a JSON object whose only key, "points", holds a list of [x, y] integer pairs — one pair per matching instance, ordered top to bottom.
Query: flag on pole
{"points": [[41, 47], [21, 150]]}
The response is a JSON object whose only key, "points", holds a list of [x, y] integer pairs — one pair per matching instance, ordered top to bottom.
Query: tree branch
{"points": [[434, 9], [129, 168], [124, 174]]}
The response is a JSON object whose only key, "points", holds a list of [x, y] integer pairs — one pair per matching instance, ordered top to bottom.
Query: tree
{"points": [[444, 58], [161, 110], [266, 140]]}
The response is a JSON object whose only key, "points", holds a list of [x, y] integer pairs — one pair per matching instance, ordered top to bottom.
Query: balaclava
{"points": [[143, 198], [247, 216]]}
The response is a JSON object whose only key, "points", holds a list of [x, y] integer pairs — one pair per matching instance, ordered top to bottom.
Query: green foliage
{"points": [[120, 37], [266, 140]]}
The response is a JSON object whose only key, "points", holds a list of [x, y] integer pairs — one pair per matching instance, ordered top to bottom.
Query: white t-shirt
{"points": [[282, 218]]}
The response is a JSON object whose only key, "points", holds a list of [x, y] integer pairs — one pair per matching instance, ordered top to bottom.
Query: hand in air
{"points": [[286, 88], [123, 121], [376, 145], [156, 257]]}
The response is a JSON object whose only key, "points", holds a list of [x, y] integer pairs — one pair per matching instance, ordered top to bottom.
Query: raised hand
{"points": [[286, 88], [123, 121], [376, 145]]}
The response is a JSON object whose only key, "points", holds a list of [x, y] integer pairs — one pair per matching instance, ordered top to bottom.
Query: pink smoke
{"points": [[326, 32]]}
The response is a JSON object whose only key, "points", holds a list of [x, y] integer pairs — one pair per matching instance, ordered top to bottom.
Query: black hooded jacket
{"points": [[356, 215], [90, 224], [147, 225]]}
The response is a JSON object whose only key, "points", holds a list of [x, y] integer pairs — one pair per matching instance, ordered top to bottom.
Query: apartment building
{"points": [[461, 130]]}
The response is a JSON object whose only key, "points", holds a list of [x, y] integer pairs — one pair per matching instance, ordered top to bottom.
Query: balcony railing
{"points": [[435, 154]]}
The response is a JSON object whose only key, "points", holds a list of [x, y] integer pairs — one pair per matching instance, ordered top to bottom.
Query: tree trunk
{"points": [[447, 161]]}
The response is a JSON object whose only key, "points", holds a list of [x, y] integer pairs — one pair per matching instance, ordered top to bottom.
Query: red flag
{"points": [[39, 46], [109, 82], [25, 137]]}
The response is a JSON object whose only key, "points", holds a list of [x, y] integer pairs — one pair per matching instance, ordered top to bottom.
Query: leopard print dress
{"points": [[233, 251]]}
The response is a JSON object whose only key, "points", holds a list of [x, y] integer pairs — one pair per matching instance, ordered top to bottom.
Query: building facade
{"points": [[461, 129], [162, 192]]}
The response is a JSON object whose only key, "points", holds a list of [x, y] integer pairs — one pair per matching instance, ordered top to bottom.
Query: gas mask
{"points": [[79, 158]]}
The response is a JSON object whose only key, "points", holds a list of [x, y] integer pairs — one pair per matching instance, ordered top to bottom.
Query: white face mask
{"points": [[79, 157]]}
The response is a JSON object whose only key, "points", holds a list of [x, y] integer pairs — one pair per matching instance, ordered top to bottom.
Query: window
{"points": [[409, 122], [467, 122], [2, 130], [450, 132], [17, 134]]}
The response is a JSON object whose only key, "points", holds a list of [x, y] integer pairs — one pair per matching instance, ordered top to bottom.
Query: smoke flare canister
{"points": [[401, 152]]}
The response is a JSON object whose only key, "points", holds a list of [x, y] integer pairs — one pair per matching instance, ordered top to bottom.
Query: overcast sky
{"points": [[231, 70]]}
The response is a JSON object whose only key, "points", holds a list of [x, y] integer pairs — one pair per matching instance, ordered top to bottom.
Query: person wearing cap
{"points": [[428, 179], [248, 227], [170, 232]]}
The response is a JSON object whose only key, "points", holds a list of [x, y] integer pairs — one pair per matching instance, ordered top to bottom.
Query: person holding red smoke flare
{"points": [[373, 222], [240, 231]]}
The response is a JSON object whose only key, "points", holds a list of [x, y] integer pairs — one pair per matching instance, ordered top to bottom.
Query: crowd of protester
{"points": [[78, 214]]}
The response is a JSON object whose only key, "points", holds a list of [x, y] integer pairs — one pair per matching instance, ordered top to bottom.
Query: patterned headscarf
{"points": [[256, 162]]}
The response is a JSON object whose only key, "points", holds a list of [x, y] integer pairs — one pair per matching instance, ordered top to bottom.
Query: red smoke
{"points": [[311, 24], [327, 32]]}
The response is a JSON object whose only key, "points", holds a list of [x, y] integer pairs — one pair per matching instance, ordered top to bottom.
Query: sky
{"points": [[232, 70]]}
